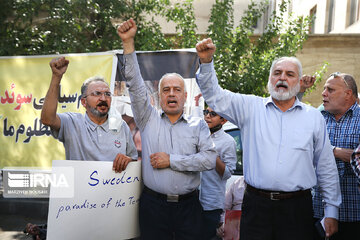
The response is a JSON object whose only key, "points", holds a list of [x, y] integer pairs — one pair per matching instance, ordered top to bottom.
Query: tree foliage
{"points": [[73, 26], [242, 61]]}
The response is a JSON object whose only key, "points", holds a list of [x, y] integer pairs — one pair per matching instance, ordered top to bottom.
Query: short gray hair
{"points": [[291, 59], [169, 74], [87, 82], [351, 83]]}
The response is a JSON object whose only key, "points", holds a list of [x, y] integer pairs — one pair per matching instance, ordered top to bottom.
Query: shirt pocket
{"points": [[301, 140], [188, 145]]}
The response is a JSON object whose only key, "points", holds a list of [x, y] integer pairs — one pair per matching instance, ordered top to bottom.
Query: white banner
{"points": [[105, 204]]}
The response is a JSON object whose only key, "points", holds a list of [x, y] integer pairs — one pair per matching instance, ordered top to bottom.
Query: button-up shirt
{"points": [[344, 133], [85, 140], [187, 141], [282, 151], [212, 187], [212, 190]]}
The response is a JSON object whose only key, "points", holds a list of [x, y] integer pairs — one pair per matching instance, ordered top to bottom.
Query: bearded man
{"points": [[87, 136], [286, 152]]}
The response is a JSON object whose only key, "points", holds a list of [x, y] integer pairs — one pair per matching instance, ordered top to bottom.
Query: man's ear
{"points": [[349, 94], [83, 102], [223, 121]]}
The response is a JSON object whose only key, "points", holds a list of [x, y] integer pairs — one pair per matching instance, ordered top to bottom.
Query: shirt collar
{"points": [[297, 103], [355, 107], [349, 112], [182, 117], [93, 126], [218, 133]]}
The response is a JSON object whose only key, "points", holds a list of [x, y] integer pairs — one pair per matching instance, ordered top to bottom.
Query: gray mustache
{"points": [[281, 83]]}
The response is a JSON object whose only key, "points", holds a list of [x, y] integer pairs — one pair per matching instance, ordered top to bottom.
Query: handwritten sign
{"points": [[104, 206]]}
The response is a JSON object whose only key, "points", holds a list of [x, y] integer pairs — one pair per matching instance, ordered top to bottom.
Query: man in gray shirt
{"points": [[87, 137], [175, 148]]}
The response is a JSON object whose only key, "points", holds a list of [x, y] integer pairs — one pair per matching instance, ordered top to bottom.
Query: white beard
{"points": [[282, 95]]}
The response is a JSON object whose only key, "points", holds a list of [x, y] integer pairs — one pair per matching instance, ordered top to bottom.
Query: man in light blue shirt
{"points": [[175, 148], [286, 151], [213, 182]]}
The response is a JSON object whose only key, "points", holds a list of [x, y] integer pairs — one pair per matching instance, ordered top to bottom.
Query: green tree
{"points": [[73, 26], [242, 62]]}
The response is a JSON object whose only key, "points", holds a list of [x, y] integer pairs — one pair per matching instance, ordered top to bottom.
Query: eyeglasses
{"points": [[338, 74], [99, 94], [212, 114]]}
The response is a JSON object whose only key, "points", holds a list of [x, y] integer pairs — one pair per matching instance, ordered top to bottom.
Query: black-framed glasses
{"points": [[338, 74], [99, 94], [212, 114]]}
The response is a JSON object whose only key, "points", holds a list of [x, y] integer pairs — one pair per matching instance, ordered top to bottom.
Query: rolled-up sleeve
{"points": [[229, 158]]}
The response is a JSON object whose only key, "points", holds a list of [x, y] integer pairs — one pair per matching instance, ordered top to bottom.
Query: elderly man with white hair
{"points": [[286, 152]]}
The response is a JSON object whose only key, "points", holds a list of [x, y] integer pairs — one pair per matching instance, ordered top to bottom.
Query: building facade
{"points": [[334, 35]]}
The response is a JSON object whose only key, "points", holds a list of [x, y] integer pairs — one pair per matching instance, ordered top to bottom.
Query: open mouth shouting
{"points": [[282, 85], [172, 102], [103, 106]]}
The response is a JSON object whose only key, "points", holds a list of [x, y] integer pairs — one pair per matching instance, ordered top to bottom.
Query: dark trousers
{"points": [[265, 219], [162, 220], [210, 221], [346, 231]]}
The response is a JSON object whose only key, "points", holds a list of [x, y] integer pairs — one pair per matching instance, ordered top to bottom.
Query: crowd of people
{"points": [[301, 165]]}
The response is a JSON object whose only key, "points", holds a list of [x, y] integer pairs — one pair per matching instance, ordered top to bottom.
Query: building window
{"points": [[354, 11], [313, 16], [331, 16]]}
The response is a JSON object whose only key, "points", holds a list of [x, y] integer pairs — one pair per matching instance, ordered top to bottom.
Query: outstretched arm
{"points": [[126, 32], [205, 50], [140, 99], [197, 99], [232, 106], [197, 110], [48, 112]]}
